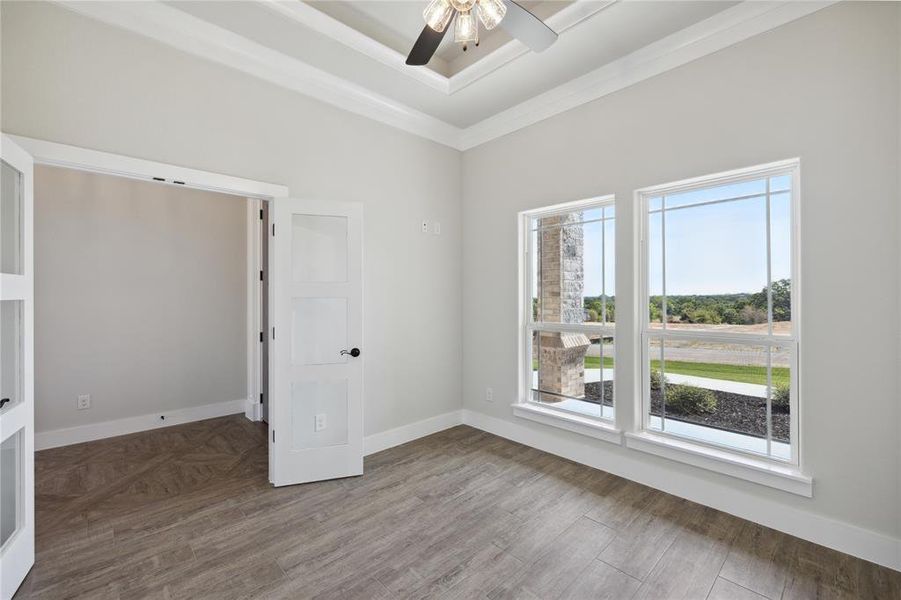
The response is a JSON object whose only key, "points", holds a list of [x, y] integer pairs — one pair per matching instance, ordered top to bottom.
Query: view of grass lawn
{"points": [[742, 373]]}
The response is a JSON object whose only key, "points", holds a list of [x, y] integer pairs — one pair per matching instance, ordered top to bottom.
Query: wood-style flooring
{"points": [[187, 512]]}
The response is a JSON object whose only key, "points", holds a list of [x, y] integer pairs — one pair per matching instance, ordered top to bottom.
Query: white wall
{"points": [[68, 79], [825, 89], [140, 297]]}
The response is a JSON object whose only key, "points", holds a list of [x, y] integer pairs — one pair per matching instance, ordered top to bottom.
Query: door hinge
{"points": [[261, 214], [273, 230], [261, 276], [273, 333], [261, 336], [261, 397], [273, 436]]}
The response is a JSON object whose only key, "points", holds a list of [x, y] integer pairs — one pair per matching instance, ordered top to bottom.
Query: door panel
{"points": [[16, 367], [316, 391]]}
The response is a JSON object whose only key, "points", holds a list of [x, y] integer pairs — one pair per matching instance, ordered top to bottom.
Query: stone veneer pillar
{"points": [[562, 355]]}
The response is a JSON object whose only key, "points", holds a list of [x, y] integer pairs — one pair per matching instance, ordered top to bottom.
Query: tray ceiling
{"points": [[350, 53]]}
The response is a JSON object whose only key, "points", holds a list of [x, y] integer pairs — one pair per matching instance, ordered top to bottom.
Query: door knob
{"points": [[354, 352], [3, 401]]}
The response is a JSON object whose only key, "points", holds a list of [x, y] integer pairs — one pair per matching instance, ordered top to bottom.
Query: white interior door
{"points": [[316, 363], [16, 367]]}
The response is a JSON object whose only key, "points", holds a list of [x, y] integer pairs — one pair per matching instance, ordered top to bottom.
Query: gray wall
{"points": [[69, 79], [825, 89], [140, 297]]}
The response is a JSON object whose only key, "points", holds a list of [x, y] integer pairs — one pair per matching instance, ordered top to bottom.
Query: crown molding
{"points": [[318, 21], [561, 21], [329, 26], [720, 31], [185, 32], [190, 34]]}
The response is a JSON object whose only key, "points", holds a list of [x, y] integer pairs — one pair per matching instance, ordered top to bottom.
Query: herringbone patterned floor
{"points": [[187, 512]]}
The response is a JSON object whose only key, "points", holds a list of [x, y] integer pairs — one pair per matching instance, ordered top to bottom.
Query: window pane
{"points": [[780, 183], [711, 194], [10, 219], [780, 257], [610, 268], [569, 269], [655, 269], [716, 272], [535, 276], [10, 352], [567, 373], [717, 393], [781, 401], [10, 486]]}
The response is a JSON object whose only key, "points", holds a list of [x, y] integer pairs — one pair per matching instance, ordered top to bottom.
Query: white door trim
{"points": [[84, 159], [95, 161]]}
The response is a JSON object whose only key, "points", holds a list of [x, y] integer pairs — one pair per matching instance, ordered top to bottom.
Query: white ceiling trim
{"points": [[316, 20], [560, 22], [327, 25], [176, 28], [720, 31], [187, 33]]}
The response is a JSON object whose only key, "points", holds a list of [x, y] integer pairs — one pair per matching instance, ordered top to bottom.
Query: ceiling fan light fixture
{"points": [[462, 5], [491, 12], [438, 14], [466, 29]]}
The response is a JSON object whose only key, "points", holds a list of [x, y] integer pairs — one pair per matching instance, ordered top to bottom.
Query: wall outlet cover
{"points": [[84, 402]]}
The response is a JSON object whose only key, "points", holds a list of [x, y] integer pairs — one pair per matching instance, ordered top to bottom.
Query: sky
{"points": [[710, 249]]}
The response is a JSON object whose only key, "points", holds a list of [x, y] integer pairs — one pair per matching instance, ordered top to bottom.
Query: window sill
{"points": [[570, 422], [783, 477]]}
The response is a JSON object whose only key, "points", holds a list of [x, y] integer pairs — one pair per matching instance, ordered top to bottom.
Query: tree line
{"points": [[731, 309]]}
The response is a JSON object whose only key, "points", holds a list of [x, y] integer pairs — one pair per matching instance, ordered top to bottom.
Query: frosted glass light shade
{"points": [[491, 12], [437, 14], [466, 29]]}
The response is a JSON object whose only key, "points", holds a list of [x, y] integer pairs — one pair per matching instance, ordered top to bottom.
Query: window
{"points": [[569, 309], [720, 339]]}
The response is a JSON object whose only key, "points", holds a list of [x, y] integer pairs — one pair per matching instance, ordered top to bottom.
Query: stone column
{"points": [[562, 355]]}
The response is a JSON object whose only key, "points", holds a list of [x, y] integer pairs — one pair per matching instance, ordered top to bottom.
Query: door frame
{"points": [[83, 159]]}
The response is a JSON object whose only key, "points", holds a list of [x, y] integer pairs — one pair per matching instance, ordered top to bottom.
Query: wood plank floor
{"points": [[187, 512]]}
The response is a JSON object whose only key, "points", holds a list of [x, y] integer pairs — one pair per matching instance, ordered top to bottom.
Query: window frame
{"points": [[791, 342], [599, 427]]}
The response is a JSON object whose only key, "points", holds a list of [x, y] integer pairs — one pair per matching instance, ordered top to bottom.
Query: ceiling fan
{"points": [[513, 18]]}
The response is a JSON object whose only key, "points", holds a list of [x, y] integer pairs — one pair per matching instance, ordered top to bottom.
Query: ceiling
{"points": [[612, 31], [351, 53]]}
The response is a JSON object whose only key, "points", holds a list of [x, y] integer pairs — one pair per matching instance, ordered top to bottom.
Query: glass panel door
{"points": [[16, 368]]}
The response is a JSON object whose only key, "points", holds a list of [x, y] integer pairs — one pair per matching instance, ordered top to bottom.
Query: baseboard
{"points": [[95, 431], [407, 433], [844, 537]]}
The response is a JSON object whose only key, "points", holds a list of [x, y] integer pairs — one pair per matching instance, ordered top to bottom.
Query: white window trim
{"points": [[525, 407], [677, 447], [770, 473], [786, 476]]}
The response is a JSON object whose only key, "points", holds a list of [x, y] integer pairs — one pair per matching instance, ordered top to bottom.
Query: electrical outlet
{"points": [[425, 227], [436, 227], [489, 395], [84, 401], [319, 422]]}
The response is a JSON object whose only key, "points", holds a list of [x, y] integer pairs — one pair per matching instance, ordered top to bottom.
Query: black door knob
{"points": [[354, 352], [3, 401]]}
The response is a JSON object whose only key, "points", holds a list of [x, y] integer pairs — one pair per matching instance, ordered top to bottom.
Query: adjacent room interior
{"points": [[450, 299]]}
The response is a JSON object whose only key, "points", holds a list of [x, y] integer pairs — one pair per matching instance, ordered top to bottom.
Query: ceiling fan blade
{"points": [[527, 28], [425, 46]]}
